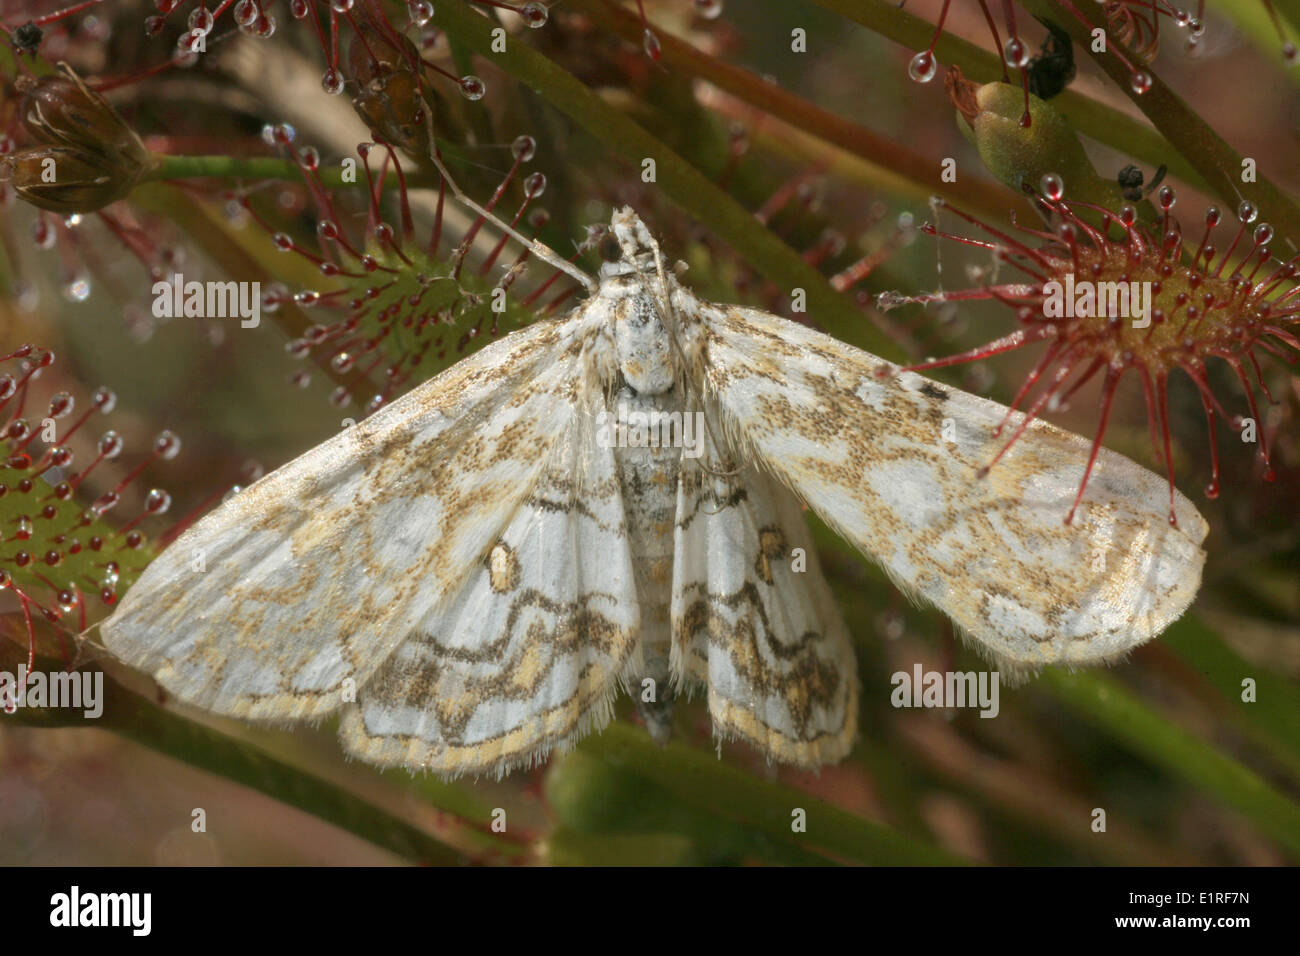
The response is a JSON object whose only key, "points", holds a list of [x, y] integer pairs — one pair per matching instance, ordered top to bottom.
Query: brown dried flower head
{"points": [[85, 157]]}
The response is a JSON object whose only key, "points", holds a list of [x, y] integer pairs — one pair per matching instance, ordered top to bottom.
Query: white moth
{"points": [[469, 575]]}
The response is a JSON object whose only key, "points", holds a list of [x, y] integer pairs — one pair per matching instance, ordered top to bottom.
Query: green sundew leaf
{"points": [[9, 62], [419, 319], [425, 321], [52, 544], [1112, 708]]}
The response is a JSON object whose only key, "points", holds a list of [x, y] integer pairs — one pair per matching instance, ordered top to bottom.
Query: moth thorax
{"points": [[645, 354]]}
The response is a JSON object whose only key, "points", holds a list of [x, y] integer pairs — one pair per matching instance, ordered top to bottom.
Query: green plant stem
{"points": [[1289, 10], [1253, 20], [1088, 116], [1218, 163], [170, 167], [235, 167], [685, 186], [975, 194], [1215, 672], [1109, 705], [128, 714], [1272, 720], [699, 778], [1022, 794]]}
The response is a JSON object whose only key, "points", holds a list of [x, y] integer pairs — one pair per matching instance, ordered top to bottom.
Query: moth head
{"points": [[628, 248]]}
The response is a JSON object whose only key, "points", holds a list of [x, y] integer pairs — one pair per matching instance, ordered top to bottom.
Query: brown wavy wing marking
{"points": [[869, 455], [314, 574], [766, 639], [529, 654]]}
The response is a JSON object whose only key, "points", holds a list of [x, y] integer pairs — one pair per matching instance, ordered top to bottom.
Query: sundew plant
{"points": [[231, 228]]}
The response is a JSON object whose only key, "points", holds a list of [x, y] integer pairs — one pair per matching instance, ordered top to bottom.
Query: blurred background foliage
{"points": [[775, 170]]}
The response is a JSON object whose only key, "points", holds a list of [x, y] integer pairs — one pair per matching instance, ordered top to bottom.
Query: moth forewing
{"points": [[892, 462], [290, 595]]}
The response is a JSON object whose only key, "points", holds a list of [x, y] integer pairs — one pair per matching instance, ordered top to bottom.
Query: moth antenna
{"points": [[538, 248]]}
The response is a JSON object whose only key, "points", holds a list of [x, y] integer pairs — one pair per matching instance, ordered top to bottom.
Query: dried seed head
{"points": [[60, 110], [87, 155], [65, 180]]}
